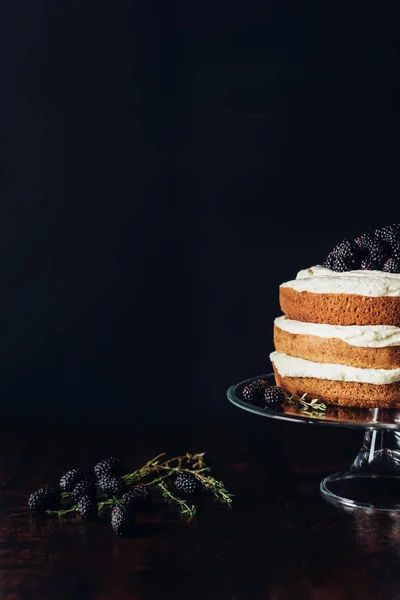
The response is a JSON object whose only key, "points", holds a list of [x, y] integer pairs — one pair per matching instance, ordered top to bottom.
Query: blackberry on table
{"points": [[391, 266], [274, 396], [109, 466], [69, 480], [188, 484], [112, 486], [82, 488], [136, 495], [44, 498], [87, 507], [122, 520]]}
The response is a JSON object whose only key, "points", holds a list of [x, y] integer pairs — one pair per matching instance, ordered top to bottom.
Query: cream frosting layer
{"points": [[320, 280], [366, 336], [290, 366]]}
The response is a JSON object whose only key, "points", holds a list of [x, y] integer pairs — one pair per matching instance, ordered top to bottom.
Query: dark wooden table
{"points": [[280, 541]]}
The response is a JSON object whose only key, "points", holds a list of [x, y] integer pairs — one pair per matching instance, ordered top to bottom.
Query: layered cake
{"points": [[338, 339]]}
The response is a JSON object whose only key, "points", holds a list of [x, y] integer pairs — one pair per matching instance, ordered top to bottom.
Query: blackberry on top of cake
{"points": [[377, 250], [339, 336]]}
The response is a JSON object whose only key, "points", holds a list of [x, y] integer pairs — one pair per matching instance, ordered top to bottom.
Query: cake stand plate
{"points": [[373, 480]]}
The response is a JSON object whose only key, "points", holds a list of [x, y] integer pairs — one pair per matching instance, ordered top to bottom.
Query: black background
{"points": [[163, 167]]}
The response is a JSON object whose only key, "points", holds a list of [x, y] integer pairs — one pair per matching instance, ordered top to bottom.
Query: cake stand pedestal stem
{"points": [[379, 454], [373, 480]]}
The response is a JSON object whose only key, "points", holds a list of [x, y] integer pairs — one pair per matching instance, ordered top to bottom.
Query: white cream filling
{"points": [[320, 280], [366, 336], [290, 366]]}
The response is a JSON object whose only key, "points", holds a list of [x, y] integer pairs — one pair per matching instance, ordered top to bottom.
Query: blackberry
{"points": [[390, 233], [364, 241], [345, 248], [395, 251], [378, 253], [345, 256], [329, 260], [341, 264], [366, 265], [391, 266], [259, 385], [254, 390], [249, 393], [274, 396], [109, 466], [69, 480], [187, 484], [112, 486], [82, 488], [137, 495], [44, 498], [87, 507], [122, 520]]}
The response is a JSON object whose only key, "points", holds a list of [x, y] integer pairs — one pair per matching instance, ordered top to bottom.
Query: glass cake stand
{"points": [[373, 480]]}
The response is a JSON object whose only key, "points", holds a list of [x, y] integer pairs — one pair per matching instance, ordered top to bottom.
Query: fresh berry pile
{"points": [[378, 250], [259, 390], [273, 396], [110, 492]]}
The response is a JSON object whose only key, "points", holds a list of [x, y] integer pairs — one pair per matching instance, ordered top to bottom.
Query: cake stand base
{"points": [[373, 481]]}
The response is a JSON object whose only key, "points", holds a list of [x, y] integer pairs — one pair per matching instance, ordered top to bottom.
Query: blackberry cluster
{"points": [[390, 233], [364, 241], [345, 248], [376, 250], [395, 254], [344, 257], [344, 263], [366, 264], [392, 265], [254, 390], [274, 396], [109, 466], [69, 480], [188, 484], [112, 486], [82, 488], [137, 495], [45, 498], [87, 499], [87, 507], [122, 520]]}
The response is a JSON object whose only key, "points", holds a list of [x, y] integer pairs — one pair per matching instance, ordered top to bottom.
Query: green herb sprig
{"points": [[313, 408], [156, 474], [187, 510]]}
